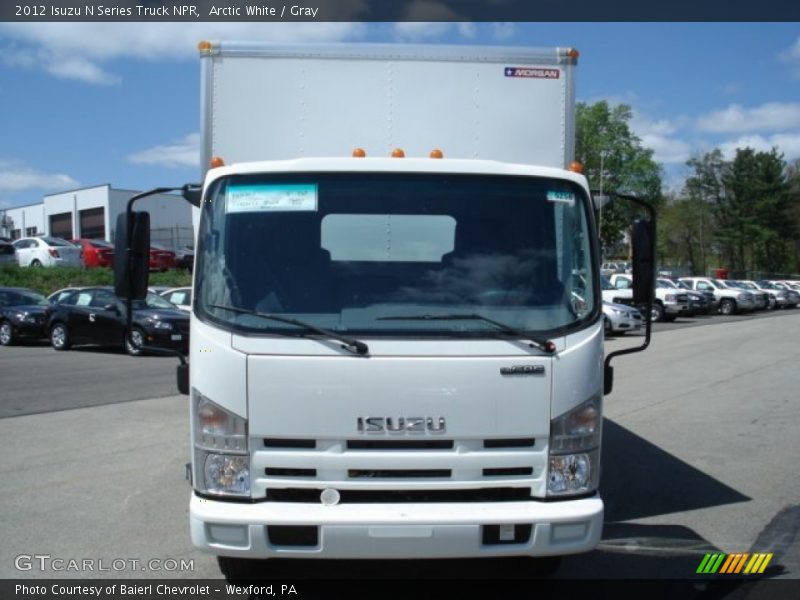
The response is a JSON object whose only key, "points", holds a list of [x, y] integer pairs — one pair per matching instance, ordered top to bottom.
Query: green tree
{"points": [[614, 160], [751, 207], [685, 233]]}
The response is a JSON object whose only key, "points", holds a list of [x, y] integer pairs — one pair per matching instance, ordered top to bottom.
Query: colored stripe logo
{"points": [[734, 564]]}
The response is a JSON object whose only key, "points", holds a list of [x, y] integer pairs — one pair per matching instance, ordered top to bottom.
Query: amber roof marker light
{"points": [[205, 47], [359, 153], [398, 153], [436, 153], [216, 162], [575, 167]]}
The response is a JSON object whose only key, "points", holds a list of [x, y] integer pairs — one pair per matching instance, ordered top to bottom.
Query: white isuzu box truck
{"points": [[397, 334]]}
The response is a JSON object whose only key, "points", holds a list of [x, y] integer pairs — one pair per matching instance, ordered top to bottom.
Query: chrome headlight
{"points": [[221, 460], [574, 460]]}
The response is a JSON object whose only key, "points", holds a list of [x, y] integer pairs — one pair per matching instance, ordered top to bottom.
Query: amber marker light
{"points": [[204, 46], [573, 53], [359, 153], [398, 153], [436, 153], [216, 162], [575, 167]]}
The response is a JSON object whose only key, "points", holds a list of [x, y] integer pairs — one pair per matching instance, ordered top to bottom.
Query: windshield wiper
{"points": [[349, 343], [543, 345]]}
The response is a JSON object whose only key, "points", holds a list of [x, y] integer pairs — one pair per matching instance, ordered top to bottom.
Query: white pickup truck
{"points": [[731, 301], [669, 303]]}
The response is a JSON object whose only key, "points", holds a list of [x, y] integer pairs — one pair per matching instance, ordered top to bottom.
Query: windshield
{"points": [[347, 252], [667, 283], [23, 298], [152, 301]]}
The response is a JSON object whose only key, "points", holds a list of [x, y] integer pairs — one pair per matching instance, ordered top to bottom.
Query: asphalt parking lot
{"points": [[699, 455]]}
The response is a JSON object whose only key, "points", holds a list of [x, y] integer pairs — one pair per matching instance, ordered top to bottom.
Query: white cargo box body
{"points": [[266, 102]]}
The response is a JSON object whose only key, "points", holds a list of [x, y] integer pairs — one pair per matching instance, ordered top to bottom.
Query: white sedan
{"points": [[47, 252], [620, 318]]}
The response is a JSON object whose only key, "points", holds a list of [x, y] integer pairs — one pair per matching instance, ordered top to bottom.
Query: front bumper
{"points": [[29, 331], [171, 340], [432, 530]]}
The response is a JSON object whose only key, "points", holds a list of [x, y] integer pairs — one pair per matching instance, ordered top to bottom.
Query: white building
{"points": [[92, 213]]}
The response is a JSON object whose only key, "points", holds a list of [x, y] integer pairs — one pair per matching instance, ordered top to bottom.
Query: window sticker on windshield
{"points": [[565, 197], [271, 198]]}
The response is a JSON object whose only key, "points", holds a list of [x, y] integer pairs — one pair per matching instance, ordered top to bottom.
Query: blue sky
{"points": [[84, 104]]}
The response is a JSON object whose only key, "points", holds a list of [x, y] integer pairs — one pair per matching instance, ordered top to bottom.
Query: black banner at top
{"points": [[400, 10]]}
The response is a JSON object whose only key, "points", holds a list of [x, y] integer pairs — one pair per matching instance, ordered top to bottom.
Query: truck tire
{"points": [[727, 306], [539, 567], [242, 569]]}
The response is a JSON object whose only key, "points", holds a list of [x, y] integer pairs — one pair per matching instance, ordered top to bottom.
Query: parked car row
{"points": [[52, 252], [689, 296], [94, 316]]}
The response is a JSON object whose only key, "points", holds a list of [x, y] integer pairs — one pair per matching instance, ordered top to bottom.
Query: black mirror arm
{"points": [[188, 190], [608, 370]]}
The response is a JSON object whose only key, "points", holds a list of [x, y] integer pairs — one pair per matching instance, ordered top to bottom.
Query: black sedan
{"points": [[22, 315], [96, 316]]}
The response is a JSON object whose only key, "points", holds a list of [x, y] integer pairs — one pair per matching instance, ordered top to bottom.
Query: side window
{"points": [[702, 285], [103, 298], [4, 299], [83, 299]]}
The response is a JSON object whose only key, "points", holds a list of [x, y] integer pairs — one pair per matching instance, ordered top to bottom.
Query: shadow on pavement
{"points": [[641, 480]]}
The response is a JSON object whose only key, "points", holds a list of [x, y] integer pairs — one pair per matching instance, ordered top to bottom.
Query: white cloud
{"points": [[419, 30], [467, 30], [503, 31], [81, 50], [792, 56], [770, 116], [659, 136], [787, 143], [180, 153], [15, 176]]}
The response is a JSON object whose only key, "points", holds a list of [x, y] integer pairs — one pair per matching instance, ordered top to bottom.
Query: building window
{"points": [[92, 223], [61, 225], [30, 231], [16, 234]]}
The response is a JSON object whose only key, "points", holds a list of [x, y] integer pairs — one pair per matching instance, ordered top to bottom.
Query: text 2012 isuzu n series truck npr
{"points": [[397, 335]]}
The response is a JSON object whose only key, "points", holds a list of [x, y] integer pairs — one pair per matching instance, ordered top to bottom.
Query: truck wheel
{"points": [[727, 306], [657, 313], [6, 334], [59, 337], [539, 567], [242, 569]]}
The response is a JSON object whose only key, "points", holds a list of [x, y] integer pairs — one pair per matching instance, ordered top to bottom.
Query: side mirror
{"points": [[132, 255], [644, 268], [111, 308]]}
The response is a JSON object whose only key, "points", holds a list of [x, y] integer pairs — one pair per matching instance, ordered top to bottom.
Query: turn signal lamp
{"points": [[359, 153], [398, 153], [436, 153], [215, 162], [575, 167]]}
